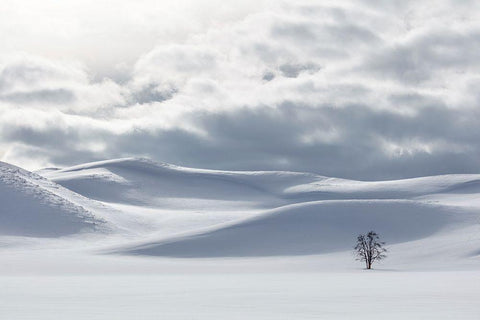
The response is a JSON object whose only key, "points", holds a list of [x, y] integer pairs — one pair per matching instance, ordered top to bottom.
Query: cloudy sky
{"points": [[359, 89]]}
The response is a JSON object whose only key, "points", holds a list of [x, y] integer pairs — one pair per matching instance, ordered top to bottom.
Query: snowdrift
{"points": [[144, 182], [36, 207], [158, 209], [213, 213], [313, 228]]}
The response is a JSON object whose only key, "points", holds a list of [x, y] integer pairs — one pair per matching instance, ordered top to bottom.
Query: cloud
{"points": [[440, 53], [27, 80], [343, 88]]}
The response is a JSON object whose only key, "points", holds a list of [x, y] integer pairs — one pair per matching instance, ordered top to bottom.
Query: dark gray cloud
{"points": [[428, 55], [293, 70], [53, 96], [433, 142]]}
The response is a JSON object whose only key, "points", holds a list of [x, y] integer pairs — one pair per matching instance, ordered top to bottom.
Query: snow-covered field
{"points": [[135, 239], [355, 295]]}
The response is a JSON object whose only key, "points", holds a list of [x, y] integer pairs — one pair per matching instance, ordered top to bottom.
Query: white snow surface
{"points": [[34, 206], [185, 212], [233, 244]]}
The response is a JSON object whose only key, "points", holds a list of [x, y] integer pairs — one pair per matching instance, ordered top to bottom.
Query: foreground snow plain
{"points": [[135, 239], [352, 295]]}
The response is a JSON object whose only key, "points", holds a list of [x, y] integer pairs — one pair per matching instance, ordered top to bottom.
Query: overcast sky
{"points": [[357, 89]]}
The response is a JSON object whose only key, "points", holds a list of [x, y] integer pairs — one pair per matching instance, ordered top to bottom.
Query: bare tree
{"points": [[369, 248]]}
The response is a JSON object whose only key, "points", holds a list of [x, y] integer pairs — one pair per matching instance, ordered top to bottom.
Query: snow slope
{"points": [[144, 182], [393, 189], [34, 206], [209, 213], [314, 228], [133, 238]]}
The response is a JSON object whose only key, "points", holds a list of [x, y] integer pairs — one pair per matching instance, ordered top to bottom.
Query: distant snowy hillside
{"points": [[144, 182], [34, 206], [160, 209]]}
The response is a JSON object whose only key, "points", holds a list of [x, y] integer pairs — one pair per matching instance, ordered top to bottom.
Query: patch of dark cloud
{"points": [[295, 31], [350, 33], [339, 34], [428, 55], [292, 70], [30, 71], [20, 72], [268, 76], [152, 93], [49, 96], [50, 138], [265, 138], [272, 139], [56, 142]]}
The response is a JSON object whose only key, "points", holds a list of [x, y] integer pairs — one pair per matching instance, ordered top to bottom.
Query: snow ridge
{"points": [[38, 199]]}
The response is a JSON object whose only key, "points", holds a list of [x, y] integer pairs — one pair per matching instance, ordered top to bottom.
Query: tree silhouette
{"points": [[369, 248]]}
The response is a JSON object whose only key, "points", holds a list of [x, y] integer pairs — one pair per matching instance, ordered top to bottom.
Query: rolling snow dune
{"points": [[144, 182], [334, 188], [36, 207], [186, 212], [313, 228]]}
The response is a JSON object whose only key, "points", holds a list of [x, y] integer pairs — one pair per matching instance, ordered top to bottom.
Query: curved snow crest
{"points": [[146, 162], [140, 181], [145, 182], [451, 183], [34, 206], [186, 212], [311, 228]]}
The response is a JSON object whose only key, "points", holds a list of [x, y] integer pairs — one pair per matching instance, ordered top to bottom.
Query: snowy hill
{"points": [[144, 182], [34, 206], [141, 207], [185, 212], [314, 228]]}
